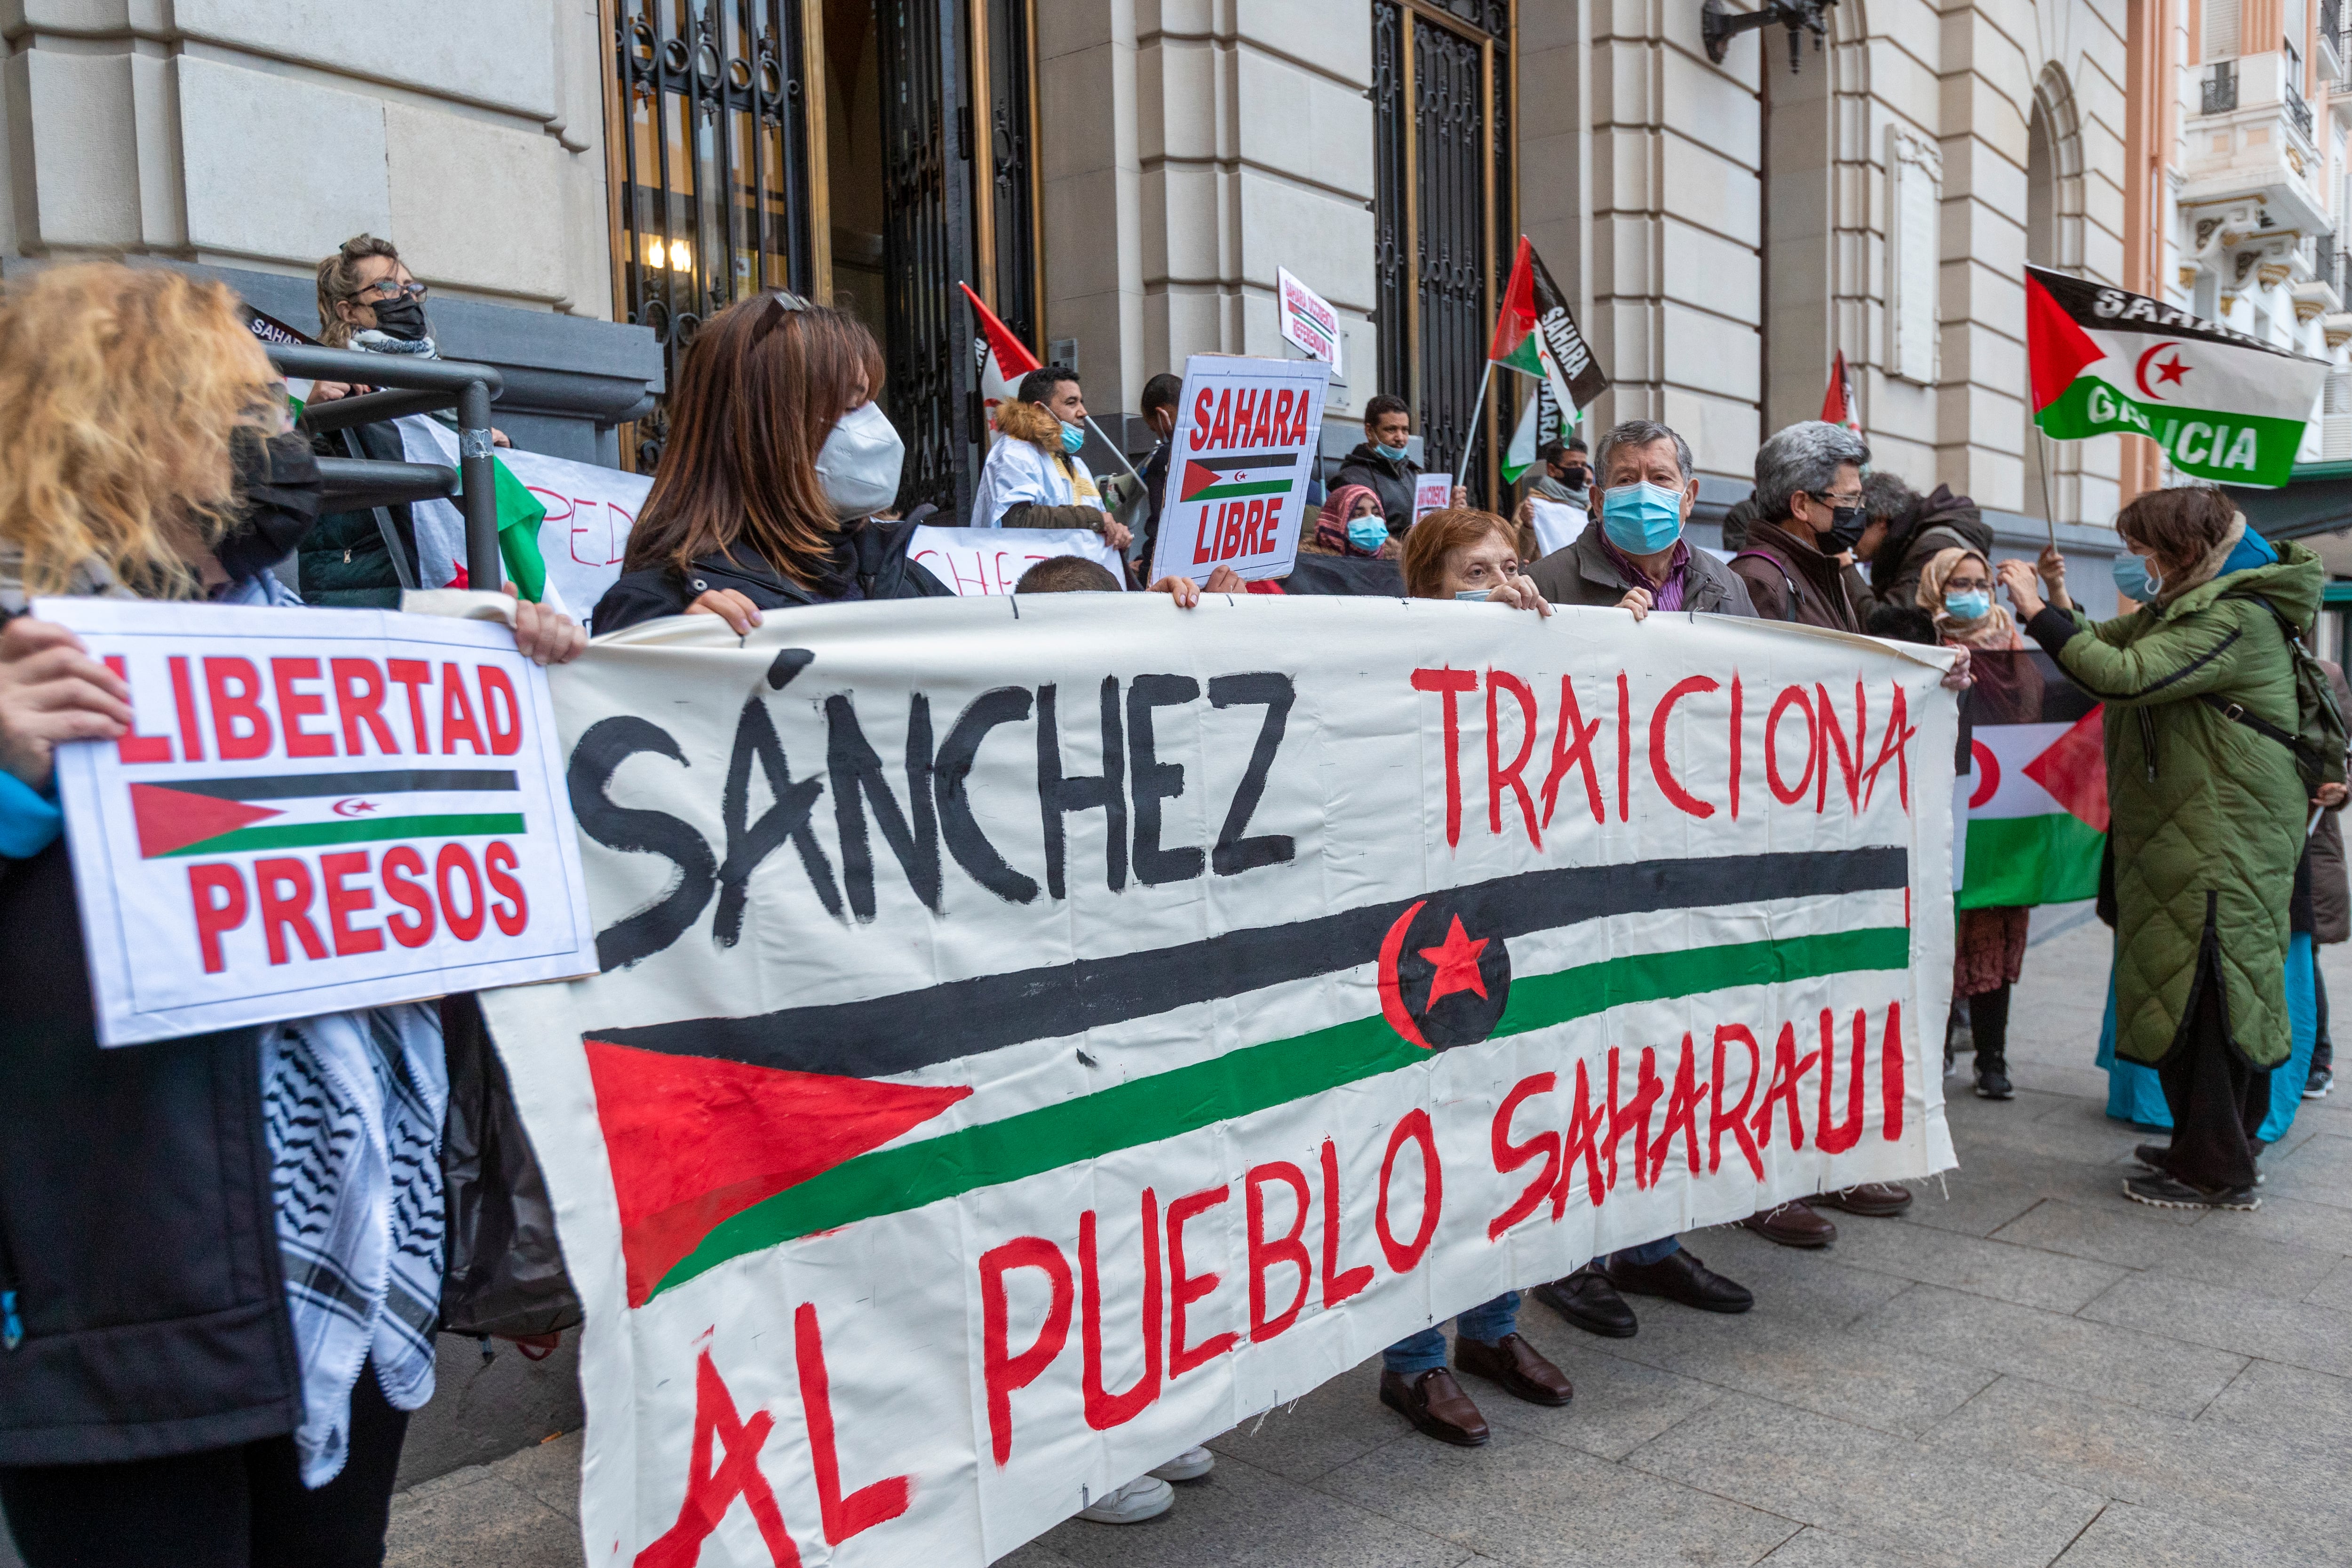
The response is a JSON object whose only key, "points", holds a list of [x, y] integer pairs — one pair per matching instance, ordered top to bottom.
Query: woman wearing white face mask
{"points": [[777, 461]]}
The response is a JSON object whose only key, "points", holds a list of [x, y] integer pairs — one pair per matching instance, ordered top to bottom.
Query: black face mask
{"points": [[403, 318], [1575, 475], [279, 493], [1846, 523]]}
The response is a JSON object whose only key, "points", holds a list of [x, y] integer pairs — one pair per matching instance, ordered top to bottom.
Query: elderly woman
{"points": [[1351, 524], [2207, 804], [1989, 946]]}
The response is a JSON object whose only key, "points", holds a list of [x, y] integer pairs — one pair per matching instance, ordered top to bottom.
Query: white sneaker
{"points": [[1188, 1465], [1146, 1497]]}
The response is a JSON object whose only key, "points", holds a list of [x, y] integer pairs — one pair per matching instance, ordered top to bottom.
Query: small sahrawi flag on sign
{"points": [[1534, 335], [2222, 406], [1234, 478], [2037, 799], [303, 811]]}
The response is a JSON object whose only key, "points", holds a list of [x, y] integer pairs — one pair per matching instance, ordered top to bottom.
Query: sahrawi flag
{"points": [[1534, 335], [1003, 358], [1838, 405], [2222, 406], [1539, 424], [2037, 798], [305, 811]]}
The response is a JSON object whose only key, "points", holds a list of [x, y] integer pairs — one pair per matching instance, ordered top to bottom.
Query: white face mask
{"points": [[860, 463]]}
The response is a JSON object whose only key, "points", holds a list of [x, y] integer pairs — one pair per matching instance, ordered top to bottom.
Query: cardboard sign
{"points": [[1308, 323], [1242, 452], [1432, 492], [1557, 524], [991, 560], [315, 810], [1161, 1010]]}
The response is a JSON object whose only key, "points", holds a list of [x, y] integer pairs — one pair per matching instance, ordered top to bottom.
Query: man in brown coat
{"points": [[1809, 511], [1595, 569]]}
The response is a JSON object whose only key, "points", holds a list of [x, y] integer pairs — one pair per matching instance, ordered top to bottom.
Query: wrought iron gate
{"points": [[711, 166], [1445, 224]]}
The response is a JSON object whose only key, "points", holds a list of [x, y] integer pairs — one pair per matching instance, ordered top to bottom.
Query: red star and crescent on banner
{"points": [[1457, 965]]}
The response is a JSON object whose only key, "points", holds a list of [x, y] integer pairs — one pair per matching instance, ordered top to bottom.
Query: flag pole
{"points": [[1114, 449], [1462, 467], [2049, 512]]}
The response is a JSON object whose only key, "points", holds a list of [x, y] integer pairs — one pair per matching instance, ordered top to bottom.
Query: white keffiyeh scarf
{"points": [[354, 1102]]}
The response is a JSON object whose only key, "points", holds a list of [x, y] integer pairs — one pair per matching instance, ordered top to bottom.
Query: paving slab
{"points": [[2318, 1168], [2218, 1253], [2027, 1276], [2334, 1291], [2292, 1333], [2289, 1402], [1620, 1404], [1342, 1420], [476, 1517], [1243, 1517], [2126, 1535], [1813, 1547]]}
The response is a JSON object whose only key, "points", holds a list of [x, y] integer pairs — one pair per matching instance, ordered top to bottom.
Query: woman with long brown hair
{"points": [[778, 460]]}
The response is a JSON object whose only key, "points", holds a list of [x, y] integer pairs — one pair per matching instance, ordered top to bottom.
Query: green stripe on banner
{"points": [[2208, 444], [1234, 492], [303, 835], [2016, 862], [1240, 1082]]}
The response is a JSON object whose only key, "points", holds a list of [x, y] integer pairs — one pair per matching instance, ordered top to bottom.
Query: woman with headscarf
{"points": [[1351, 524], [1987, 944]]}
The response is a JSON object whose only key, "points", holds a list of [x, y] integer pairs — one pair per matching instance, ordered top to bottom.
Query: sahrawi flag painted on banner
{"points": [[1535, 335], [1003, 358], [2222, 406], [2037, 799], [1034, 1039]]}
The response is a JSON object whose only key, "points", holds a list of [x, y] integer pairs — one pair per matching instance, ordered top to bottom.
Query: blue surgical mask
{"points": [[1073, 438], [1394, 454], [1642, 518], [1367, 532], [2132, 579], [1973, 606]]}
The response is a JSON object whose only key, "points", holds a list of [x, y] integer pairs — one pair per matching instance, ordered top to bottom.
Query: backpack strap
{"points": [[1789, 603]]}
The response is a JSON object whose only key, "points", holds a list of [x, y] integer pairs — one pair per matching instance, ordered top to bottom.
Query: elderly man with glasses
{"points": [[1808, 510]]}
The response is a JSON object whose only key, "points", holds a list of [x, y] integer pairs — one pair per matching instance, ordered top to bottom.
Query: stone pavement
{"points": [[2026, 1370]]}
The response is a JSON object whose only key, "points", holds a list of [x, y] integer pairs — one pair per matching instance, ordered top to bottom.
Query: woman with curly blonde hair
{"points": [[170, 1387]]}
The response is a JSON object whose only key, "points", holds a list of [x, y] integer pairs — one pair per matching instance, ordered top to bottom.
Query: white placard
{"points": [[1309, 321], [1241, 457], [1432, 492], [1557, 524], [991, 560], [315, 810]]}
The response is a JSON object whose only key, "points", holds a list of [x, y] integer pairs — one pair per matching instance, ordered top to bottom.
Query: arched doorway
{"points": [[2053, 238]]}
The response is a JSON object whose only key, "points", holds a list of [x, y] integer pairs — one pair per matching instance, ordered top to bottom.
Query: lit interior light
{"points": [[654, 257], [680, 260]]}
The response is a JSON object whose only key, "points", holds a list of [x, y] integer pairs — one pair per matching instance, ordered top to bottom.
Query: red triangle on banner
{"points": [[2057, 348], [1196, 479], [2073, 769], [170, 819], [694, 1141]]}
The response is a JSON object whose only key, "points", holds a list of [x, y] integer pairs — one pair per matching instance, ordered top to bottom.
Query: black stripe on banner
{"points": [[1246, 460], [388, 781], [882, 1034]]}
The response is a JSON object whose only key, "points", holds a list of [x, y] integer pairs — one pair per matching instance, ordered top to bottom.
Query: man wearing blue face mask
{"points": [[1382, 463], [1033, 477], [1635, 558]]}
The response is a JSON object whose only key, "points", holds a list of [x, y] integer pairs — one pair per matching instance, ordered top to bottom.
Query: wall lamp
{"points": [[1718, 24]]}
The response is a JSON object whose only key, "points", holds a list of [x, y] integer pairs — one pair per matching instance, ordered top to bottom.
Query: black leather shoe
{"points": [[1681, 1276], [1587, 1299], [1518, 1366], [1435, 1404]]}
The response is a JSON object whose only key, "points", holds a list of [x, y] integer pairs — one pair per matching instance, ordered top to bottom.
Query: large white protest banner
{"points": [[1243, 451], [589, 512], [991, 560], [314, 810], [1036, 1034]]}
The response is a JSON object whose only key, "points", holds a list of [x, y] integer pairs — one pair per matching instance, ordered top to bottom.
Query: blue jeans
{"points": [[1648, 1252], [1425, 1352]]}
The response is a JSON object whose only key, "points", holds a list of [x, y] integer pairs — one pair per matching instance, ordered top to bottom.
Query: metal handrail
{"points": [[468, 387], [361, 484]]}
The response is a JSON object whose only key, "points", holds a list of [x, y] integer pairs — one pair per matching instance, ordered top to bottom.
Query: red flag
{"points": [[2057, 348], [1003, 358], [1838, 403]]}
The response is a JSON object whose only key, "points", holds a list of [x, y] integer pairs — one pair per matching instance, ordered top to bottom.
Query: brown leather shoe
{"points": [[1877, 1200], [1792, 1224], [1516, 1365], [1434, 1403]]}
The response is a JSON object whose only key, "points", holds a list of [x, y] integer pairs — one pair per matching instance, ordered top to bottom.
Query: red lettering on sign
{"points": [[1281, 401], [1244, 414], [1200, 417], [1223, 429], [1263, 433], [1229, 533], [1201, 544], [416, 675], [1450, 683], [358, 686], [184, 698], [294, 705], [501, 713], [457, 715], [1738, 717], [241, 729], [1571, 746], [1893, 746], [134, 747], [1848, 763], [1498, 776], [1668, 785], [1786, 794], [402, 868], [284, 887], [217, 892], [343, 902], [507, 906], [466, 924], [1787, 1068], [1890, 1073], [1682, 1114], [1635, 1117], [1734, 1121], [1587, 1123], [1412, 1127], [1832, 1137], [1510, 1156], [1265, 1252], [1338, 1284], [1183, 1288], [1003, 1372], [1105, 1409], [711, 1489], [869, 1506]]}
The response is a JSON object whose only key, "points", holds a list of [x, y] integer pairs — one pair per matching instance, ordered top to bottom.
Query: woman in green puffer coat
{"points": [[2208, 819]]}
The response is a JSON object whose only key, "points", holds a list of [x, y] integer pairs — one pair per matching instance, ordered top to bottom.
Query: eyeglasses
{"points": [[384, 289], [1828, 500]]}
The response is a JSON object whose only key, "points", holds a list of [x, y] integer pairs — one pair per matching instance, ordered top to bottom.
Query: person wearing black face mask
{"points": [[1567, 471], [1809, 511]]}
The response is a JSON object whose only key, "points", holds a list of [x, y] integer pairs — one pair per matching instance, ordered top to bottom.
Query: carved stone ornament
{"points": [[2273, 273]]}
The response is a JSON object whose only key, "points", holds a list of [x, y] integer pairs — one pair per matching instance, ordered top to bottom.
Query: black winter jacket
{"points": [[1391, 479], [877, 565], [135, 1222]]}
